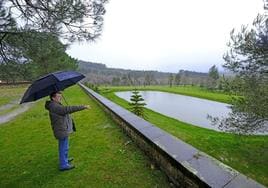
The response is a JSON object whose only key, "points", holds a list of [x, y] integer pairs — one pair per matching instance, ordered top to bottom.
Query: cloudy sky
{"points": [[167, 35]]}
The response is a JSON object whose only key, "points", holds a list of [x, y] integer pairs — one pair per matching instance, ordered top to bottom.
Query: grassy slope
{"points": [[10, 93], [247, 154], [29, 158]]}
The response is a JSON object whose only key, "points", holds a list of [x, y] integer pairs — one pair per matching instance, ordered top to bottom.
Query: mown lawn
{"points": [[10, 93], [247, 154], [103, 155]]}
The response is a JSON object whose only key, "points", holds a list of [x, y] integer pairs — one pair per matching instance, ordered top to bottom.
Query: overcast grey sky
{"points": [[167, 35]]}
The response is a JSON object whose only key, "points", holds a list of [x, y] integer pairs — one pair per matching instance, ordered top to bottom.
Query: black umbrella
{"points": [[52, 82]]}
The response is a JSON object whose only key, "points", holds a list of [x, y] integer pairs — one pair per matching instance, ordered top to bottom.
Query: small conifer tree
{"points": [[137, 104]]}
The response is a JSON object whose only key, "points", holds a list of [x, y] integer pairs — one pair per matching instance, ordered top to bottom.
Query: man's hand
{"points": [[87, 107]]}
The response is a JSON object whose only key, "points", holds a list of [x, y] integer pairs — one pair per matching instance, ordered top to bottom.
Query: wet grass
{"points": [[11, 93], [8, 110], [247, 154], [103, 155]]}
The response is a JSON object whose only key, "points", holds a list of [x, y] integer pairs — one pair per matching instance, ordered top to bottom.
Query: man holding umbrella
{"points": [[61, 122], [62, 126]]}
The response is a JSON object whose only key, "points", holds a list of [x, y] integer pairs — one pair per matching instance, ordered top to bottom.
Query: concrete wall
{"points": [[184, 165]]}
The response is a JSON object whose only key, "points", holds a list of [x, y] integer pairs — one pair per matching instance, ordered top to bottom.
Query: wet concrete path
{"points": [[12, 114]]}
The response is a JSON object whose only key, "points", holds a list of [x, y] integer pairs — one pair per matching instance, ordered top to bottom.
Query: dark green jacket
{"points": [[61, 121]]}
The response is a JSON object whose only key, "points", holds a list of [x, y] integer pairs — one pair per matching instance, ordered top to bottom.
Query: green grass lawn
{"points": [[11, 93], [247, 154], [103, 155]]}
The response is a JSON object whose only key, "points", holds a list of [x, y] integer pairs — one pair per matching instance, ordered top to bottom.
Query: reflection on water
{"points": [[184, 108]]}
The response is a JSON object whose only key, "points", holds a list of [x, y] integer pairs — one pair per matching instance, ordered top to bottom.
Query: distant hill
{"points": [[83, 65], [99, 73]]}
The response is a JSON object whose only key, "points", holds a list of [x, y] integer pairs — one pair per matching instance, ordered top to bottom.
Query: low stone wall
{"points": [[184, 165]]}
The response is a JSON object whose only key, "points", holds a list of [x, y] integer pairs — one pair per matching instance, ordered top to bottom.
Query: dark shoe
{"points": [[70, 159], [67, 168]]}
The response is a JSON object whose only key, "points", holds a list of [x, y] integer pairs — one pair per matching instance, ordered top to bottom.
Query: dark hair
{"points": [[53, 94]]}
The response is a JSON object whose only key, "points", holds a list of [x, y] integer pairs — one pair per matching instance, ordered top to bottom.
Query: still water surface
{"points": [[184, 108]]}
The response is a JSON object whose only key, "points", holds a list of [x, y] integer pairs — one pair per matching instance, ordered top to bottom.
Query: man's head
{"points": [[56, 96]]}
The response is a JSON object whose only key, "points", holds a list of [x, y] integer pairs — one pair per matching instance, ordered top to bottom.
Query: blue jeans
{"points": [[63, 152]]}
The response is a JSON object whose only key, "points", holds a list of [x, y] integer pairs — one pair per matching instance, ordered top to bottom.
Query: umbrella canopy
{"points": [[52, 82]]}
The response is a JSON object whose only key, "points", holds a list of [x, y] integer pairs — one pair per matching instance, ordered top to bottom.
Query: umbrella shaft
{"points": [[64, 99]]}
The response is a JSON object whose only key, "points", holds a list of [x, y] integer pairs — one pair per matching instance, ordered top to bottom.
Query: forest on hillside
{"points": [[100, 74]]}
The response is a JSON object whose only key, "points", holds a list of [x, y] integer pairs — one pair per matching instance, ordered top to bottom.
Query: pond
{"points": [[184, 108]]}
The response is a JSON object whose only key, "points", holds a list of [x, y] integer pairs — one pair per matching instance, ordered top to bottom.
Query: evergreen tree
{"points": [[74, 20], [22, 21], [40, 55], [248, 58], [213, 74], [178, 78], [147, 79], [170, 79], [115, 81], [137, 104]]}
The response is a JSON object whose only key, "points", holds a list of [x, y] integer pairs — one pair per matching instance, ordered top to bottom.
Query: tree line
{"points": [[99, 74]]}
